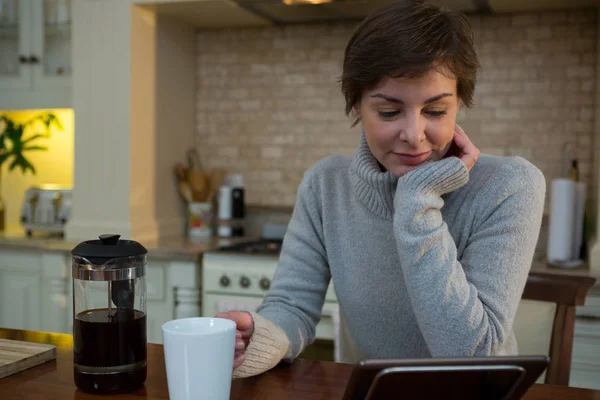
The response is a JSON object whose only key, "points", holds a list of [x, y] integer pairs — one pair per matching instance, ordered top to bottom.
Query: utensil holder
{"points": [[200, 219]]}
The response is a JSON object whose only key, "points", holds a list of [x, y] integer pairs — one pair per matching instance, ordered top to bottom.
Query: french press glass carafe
{"points": [[109, 319]]}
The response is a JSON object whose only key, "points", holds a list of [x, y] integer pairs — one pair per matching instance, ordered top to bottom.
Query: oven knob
{"points": [[224, 281], [244, 282], [265, 283]]}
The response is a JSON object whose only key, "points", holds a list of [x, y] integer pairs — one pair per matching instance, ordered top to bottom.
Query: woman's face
{"points": [[409, 121]]}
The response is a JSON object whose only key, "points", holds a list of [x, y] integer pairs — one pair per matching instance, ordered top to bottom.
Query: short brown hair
{"points": [[406, 39]]}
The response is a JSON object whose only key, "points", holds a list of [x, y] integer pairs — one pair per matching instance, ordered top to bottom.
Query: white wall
{"points": [[127, 139]]}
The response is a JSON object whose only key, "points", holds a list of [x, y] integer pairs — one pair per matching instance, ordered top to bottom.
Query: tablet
{"points": [[499, 377]]}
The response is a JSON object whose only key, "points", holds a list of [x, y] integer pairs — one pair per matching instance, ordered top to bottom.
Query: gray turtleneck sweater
{"points": [[429, 264]]}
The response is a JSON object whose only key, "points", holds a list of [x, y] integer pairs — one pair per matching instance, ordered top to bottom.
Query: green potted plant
{"points": [[16, 140]]}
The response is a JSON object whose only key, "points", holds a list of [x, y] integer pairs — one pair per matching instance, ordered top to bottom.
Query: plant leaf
{"points": [[48, 119], [33, 120], [56, 122], [3, 124], [14, 132], [34, 137], [14, 140], [42, 148], [4, 157], [22, 162], [13, 164], [28, 165]]}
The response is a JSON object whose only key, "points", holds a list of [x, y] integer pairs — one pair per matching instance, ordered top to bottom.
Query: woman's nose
{"points": [[413, 131]]}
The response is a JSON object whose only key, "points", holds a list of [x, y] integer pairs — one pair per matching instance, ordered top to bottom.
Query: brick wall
{"points": [[268, 104]]}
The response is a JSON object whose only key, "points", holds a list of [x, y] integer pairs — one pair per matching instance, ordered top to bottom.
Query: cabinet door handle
{"points": [[23, 59], [33, 59]]}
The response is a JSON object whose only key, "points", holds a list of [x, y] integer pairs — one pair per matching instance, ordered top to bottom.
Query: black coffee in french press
{"points": [[109, 322]]}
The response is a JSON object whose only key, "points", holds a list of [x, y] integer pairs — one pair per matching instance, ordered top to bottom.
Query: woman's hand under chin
{"points": [[462, 148]]}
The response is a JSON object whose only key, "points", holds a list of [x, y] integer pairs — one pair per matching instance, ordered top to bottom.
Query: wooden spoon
{"points": [[181, 172], [196, 177], [216, 178], [199, 184], [186, 192]]}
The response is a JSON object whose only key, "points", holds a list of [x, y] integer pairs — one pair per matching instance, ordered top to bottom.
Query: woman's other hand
{"points": [[463, 148], [244, 330]]}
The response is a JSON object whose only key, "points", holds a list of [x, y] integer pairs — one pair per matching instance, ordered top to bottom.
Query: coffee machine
{"points": [[109, 318]]}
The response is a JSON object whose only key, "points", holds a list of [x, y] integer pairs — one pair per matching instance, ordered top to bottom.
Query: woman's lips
{"points": [[412, 159]]}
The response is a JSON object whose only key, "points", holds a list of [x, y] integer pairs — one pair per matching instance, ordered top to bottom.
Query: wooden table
{"points": [[302, 380]]}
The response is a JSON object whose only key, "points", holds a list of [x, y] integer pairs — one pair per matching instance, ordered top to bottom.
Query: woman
{"points": [[428, 245]]}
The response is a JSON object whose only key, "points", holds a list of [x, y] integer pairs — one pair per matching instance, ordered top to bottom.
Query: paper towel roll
{"points": [[580, 197], [562, 221]]}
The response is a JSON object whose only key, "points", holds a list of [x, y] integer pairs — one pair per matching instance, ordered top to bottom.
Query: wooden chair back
{"points": [[563, 293]]}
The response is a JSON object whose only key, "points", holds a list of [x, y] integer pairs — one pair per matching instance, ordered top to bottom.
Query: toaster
{"points": [[46, 208]]}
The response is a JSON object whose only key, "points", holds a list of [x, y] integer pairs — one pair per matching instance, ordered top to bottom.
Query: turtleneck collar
{"points": [[374, 188]]}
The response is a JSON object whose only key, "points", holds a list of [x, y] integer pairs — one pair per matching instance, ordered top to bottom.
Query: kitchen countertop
{"points": [[175, 248], [541, 266]]}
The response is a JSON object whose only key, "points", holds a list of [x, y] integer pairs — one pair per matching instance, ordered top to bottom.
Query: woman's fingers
{"points": [[468, 152], [243, 321], [245, 328], [239, 345], [240, 349], [238, 360]]}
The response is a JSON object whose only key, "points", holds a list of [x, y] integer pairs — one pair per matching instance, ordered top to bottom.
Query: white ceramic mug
{"points": [[199, 357]]}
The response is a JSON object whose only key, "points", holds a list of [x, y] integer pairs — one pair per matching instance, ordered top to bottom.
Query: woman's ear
{"points": [[356, 111]]}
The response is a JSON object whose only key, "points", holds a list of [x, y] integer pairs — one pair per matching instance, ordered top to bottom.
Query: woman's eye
{"points": [[435, 113], [388, 114]]}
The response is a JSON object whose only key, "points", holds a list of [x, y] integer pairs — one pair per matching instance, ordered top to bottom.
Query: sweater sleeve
{"points": [[295, 299], [466, 307], [268, 345]]}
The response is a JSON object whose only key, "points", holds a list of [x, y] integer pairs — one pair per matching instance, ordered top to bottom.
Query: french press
{"points": [[109, 315]]}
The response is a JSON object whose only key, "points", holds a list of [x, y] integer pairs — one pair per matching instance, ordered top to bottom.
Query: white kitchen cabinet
{"points": [[15, 39], [35, 54], [20, 287], [33, 290], [173, 291], [56, 305], [158, 308]]}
